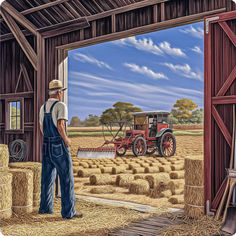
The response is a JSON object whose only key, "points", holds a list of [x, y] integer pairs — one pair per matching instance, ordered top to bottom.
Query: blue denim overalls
{"points": [[56, 158]]}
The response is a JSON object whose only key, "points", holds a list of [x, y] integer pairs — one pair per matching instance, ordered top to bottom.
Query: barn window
{"points": [[14, 115]]}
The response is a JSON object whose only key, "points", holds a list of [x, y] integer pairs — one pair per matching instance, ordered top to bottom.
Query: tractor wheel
{"points": [[167, 145], [139, 146], [151, 150], [121, 151]]}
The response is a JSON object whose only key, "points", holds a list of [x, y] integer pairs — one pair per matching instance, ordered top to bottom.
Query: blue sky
{"points": [[151, 71]]}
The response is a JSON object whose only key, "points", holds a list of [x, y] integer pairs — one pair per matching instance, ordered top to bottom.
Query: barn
{"points": [[35, 36]]}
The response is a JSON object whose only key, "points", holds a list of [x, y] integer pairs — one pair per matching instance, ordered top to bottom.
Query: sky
{"points": [[151, 71]]}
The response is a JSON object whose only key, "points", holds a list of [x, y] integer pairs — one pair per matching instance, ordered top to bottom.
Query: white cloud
{"points": [[195, 32], [147, 44], [197, 50], [91, 60], [184, 70], [145, 71]]}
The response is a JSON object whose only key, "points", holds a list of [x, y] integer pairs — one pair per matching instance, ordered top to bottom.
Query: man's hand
{"points": [[61, 130], [68, 142]]}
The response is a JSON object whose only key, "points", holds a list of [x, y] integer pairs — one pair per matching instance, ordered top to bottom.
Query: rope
{"points": [[17, 154], [192, 186]]}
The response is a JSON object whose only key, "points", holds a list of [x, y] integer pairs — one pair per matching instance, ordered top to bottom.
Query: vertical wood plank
{"points": [[155, 14], [163, 14], [113, 23], [94, 29], [81, 34]]}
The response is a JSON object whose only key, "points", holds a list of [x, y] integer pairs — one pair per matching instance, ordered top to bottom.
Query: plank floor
{"points": [[148, 227]]}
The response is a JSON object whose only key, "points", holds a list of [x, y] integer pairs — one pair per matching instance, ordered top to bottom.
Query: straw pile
{"points": [[4, 157], [37, 170], [118, 170], [88, 172], [177, 174], [101, 179], [155, 179], [124, 180], [139, 186], [194, 188], [22, 190], [103, 190], [5, 195], [176, 199]]}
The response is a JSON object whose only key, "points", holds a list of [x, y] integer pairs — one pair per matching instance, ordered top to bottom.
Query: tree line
{"points": [[184, 111]]}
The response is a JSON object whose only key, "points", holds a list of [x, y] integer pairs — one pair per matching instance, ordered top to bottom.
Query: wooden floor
{"points": [[148, 227]]}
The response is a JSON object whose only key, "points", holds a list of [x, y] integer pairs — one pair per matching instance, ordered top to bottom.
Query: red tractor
{"points": [[151, 133]]}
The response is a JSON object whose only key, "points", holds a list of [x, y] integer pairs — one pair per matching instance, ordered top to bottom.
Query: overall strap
{"points": [[53, 106]]}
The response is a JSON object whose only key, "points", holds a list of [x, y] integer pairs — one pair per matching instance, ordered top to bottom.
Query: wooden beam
{"points": [[19, 17], [113, 23], [142, 29], [25, 46], [17, 95], [224, 100]]}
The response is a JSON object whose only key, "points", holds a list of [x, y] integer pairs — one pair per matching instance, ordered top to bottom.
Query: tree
{"points": [[183, 109], [121, 111], [197, 116], [75, 121], [91, 121]]}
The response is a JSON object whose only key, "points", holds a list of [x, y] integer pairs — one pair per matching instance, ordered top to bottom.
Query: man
{"points": [[56, 154]]}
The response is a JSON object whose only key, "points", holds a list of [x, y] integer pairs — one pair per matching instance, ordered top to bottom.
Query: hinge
{"points": [[209, 20]]}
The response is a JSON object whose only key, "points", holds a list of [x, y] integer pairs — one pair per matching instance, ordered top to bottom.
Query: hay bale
{"points": [[4, 157], [75, 163], [84, 164], [155, 164], [110, 165], [145, 165], [93, 166], [126, 166], [133, 166], [36, 167], [177, 167], [165, 168], [152, 169], [107, 170], [118, 170], [139, 170], [88, 172], [177, 174], [140, 176], [101, 179], [155, 179], [124, 180], [175, 184], [78, 186], [139, 186], [161, 187], [22, 190], [103, 190], [178, 191], [166, 194], [5, 195], [194, 195], [176, 199], [194, 212]]}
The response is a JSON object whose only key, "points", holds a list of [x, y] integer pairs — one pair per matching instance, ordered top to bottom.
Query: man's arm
{"points": [[62, 132]]}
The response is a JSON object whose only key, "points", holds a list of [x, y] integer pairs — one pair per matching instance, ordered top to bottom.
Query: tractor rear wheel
{"points": [[167, 145], [139, 146], [120, 151]]}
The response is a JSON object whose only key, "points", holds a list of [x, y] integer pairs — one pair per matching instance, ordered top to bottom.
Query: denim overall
{"points": [[56, 158]]}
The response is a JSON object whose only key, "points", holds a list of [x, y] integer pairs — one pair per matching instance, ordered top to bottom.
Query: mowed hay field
{"points": [[150, 180]]}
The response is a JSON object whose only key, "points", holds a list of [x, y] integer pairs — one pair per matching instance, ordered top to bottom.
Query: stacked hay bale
{"points": [[36, 168], [101, 179], [124, 180], [5, 184], [139, 186], [194, 187], [22, 190]]}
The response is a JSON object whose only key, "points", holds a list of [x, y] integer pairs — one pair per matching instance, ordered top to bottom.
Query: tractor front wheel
{"points": [[167, 145], [139, 146], [120, 151]]}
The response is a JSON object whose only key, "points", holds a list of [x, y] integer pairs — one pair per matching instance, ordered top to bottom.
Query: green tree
{"points": [[183, 109], [121, 111], [197, 116], [75, 121], [91, 121]]}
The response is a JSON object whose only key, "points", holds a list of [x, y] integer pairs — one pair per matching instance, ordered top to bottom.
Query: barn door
{"points": [[220, 94]]}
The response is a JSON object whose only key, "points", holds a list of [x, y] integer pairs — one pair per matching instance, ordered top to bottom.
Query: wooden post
{"points": [[155, 15], [163, 17], [113, 23]]}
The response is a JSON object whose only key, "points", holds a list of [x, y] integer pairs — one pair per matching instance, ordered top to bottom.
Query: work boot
{"points": [[76, 215]]}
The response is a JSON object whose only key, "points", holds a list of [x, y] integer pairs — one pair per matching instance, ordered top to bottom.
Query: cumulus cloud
{"points": [[195, 32], [147, 44], [197, 50], [91, 60], [144, 70], [184, 70]]}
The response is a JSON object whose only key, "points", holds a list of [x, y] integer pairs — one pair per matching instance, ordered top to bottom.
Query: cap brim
{"points": [[63, 89]]}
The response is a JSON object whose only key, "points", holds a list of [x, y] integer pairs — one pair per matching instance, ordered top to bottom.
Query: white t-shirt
{"points": [[59, 112]]}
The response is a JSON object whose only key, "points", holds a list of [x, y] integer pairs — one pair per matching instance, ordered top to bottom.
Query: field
{"points": [[129, 168]]}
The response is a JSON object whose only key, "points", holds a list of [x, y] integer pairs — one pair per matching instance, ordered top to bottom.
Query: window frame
{"points": [[8, 116]]}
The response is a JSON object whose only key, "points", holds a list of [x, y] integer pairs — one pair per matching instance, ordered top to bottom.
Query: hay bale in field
{"points": [[4, 157], [75, 163], [84, 164], [155, 164], [110, 165], [145, 165], [93, 166], [126, 166], [133, 166], [36, 167], [177, 167], [165, 168], [152, 169], [106, 170], [118, 170], [139, 170], [88, 172], [128, 172], [177, 174], [140, 176], [101, 179], [155, 179], [124, 180], [175, 184], [78, 186], [139, 186], [161, 187], [22, 190], [103, 190], [178, 191], [166, 194], [5, 195], [176, 199], [194, 212]]}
